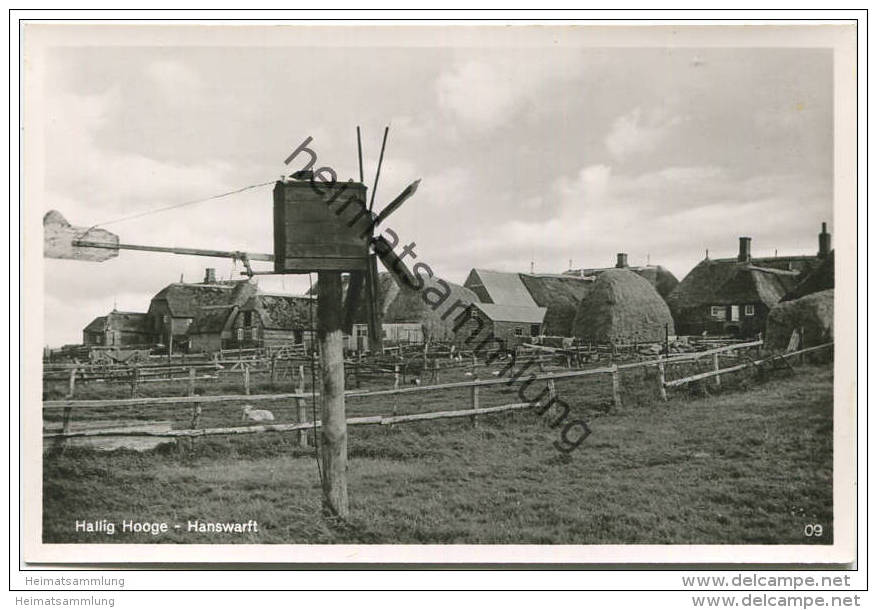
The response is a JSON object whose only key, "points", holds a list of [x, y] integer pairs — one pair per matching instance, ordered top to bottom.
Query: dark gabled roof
{"points": [[802, 263], [821, 278], [729, 281], [751, 284], [499, 287], [184, 300], [282, 311], [511, 313], [211, 319], [125, 321], [98, 325]]}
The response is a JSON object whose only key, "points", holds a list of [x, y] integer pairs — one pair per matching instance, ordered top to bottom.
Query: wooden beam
{"points": [[333, 432]]}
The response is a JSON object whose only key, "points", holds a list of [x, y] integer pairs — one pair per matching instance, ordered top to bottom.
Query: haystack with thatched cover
{"points": [[560, 295], [622, 308], [812, 314]]}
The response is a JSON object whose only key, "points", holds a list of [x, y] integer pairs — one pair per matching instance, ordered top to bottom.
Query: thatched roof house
{"points": [[659, 277], [734, 295], [207, 305], [622, 307], [812, 316], [264, 320], [118, 328]]}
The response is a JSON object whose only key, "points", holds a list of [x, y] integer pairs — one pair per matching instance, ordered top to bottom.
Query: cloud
{"points": [[173, 80], [485, 93], [638, 132], [668, 216]]}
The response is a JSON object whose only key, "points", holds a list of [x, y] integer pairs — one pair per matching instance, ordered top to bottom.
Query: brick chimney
{"points": [[824, 242], [745, 254], [621, 262], [210, 275]]}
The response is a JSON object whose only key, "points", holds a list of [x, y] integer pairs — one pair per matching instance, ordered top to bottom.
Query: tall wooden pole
{"points": [[333, 431]]}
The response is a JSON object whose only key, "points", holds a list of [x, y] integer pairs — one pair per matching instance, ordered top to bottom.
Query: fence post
{"points": [[716, 369], [273, 370], [436, 373], [247, 379], [661, 380], [135, 381], [71, 386], [395, 387], [191, 391], [616, 396], [301, 407], [196, 416], [474, 418]]}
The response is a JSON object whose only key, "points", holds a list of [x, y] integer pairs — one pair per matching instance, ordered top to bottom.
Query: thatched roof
{"points": [[661, 278], [821, 278], [729, 281], [751, 284], [499, 287], [560, 295], [185, 300], [403, 304], [622, 307], [282, 311], [813, 313], [211, 319], [125, 321]]}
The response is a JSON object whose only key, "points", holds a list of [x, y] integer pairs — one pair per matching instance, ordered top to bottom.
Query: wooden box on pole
{"points": [[320, 226]]}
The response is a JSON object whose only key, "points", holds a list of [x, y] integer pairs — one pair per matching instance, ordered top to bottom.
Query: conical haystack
{"points": [[622, 307], [813, 313]]}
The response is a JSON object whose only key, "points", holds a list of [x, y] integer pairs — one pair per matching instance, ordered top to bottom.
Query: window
{"points": [[750, 310], [717, 311], [248, 318], [534, 330], [519, 332], [240, 334]]}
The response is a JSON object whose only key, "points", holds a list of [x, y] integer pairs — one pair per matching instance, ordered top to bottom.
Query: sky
{"points": [[537, 153]]}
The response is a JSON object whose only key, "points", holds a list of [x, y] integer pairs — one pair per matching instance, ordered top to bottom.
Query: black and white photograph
{"points": [[439, 293]]}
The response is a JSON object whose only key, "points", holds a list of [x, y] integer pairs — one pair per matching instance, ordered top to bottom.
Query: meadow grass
{"points": [[751, 464]]}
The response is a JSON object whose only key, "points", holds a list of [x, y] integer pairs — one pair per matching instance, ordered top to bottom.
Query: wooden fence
{"points": [[300, 396]]}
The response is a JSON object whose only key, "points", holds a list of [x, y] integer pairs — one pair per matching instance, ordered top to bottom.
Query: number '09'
{"points": [[812, 529]]}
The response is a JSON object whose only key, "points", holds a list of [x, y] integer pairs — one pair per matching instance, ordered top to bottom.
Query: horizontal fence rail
{"points": [[739, 367], [126, 402], [352, 421]]}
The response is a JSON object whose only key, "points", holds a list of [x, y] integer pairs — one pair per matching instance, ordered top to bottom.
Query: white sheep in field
{"points": [[248, 413]]}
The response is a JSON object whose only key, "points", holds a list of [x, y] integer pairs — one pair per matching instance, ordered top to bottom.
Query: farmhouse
{"points": [[660, 278], [559, 295], [734, 295], [622, 308], [174, 309], [411, 315], [273, 320], [507, 326], [118, 328]]}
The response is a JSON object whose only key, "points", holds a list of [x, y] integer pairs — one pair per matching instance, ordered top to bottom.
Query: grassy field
{"points": [[751, 464]]}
